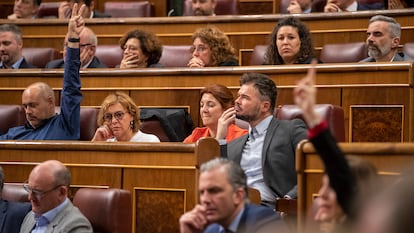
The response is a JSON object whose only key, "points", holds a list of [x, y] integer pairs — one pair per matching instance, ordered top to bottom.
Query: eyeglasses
{"points": [[199, 49], [117, 115], [37, 193]]}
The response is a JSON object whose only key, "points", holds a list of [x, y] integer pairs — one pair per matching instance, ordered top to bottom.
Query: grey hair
{"points": [[395, 27], [12, 28]]}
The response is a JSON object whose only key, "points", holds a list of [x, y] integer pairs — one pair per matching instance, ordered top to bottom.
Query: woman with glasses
{"points": [[211, 47], [142, 49], [218, 115], [119, 121]]}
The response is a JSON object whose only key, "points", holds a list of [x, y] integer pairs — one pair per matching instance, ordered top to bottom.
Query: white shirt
{"points": [[140, 137]]}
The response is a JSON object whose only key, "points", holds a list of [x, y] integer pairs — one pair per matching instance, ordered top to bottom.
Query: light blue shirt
{"points": [[16, 65], [251, 160], [48, 217], [234, 225]]}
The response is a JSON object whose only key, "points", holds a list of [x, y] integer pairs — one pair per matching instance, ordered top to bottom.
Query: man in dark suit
{"points": [[25, 9], [65, 9], [383, 39], [11, 42], [88, 43], [267, 153], [224, 203], [11, 213]]}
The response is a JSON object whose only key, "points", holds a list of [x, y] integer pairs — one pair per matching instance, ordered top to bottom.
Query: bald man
{"points": [[88, 43], [38, 100], [48, 186]]}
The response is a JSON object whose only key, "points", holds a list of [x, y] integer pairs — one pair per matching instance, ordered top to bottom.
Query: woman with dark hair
{"points": [[290, 43], [211, 47], [141, 49], [218, 115], [119, 121]]}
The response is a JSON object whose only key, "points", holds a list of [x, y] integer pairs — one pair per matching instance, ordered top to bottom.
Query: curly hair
{"points": [[219, 43], [150, 44], [272, 56], [126, 101]]}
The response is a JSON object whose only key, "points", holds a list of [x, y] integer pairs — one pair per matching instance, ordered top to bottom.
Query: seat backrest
{"points": [[223, 7], [129, 9], [48, 10], [408, 49], [347, 52], [110, 55], [175, 55], [258, 55], [39, 57], [333, 114], [11, 116], [88, 123], [153, 125], [15, 192], [108, 210]]}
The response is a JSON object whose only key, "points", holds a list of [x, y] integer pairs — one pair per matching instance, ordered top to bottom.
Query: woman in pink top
{"points": [[218, 115]]}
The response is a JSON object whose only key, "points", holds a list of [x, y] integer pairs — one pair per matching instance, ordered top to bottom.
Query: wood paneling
{"points": [[343, 84], [160, 176]]}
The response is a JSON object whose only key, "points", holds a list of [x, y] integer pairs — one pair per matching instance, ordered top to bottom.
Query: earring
{"points": [[131, 124]]}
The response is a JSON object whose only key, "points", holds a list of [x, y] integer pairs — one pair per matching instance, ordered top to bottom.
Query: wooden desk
{"points": [[245, 31], [374, 96], [389, 158], [162, 177]]}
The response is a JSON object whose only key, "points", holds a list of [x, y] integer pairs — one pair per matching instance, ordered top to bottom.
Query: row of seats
{"points": [[140, 8], [111, 55], [108, 210]]}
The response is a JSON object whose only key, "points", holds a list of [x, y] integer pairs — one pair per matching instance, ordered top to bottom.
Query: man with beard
{"points": [[203, 7], [25, 9], [383, 38], [11, 45], [38, 99], [267, 153], [224, 203]]}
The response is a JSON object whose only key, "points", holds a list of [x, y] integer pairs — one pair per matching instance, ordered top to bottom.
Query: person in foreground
{"points": [[383, 39], [290, 43], [87, 44], [211, 47], [142, 49], [38, 99], [218, 115], [119, 121], [267, 153], [348, 182], [224, 203], [52, 211], [11, 213]]}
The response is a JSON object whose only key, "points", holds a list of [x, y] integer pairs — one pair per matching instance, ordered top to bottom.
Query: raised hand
{"points": [[331, 6], [76, 22], [305, 97], [227, 117]]}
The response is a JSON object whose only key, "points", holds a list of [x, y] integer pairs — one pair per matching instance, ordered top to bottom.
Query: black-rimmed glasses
{"points": [[37, 193]]}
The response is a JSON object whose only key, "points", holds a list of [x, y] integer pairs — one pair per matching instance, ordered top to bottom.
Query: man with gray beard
{"points": [[383, 38]]}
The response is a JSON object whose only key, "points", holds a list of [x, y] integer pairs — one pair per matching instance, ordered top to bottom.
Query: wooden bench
{"points": [[389, 158], [162, 177]]}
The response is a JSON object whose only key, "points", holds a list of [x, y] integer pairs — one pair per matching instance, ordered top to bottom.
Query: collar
{"points": [[353, 6], [307, 11], [88, 63], [16, 65], [263, 125], [51, 214], [236, 222]]}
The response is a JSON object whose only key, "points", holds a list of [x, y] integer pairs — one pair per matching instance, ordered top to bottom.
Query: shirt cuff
{"points": [[315, 131]]}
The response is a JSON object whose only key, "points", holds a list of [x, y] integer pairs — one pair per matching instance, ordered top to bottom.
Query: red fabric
{"points": [[233, 132], [313, 132]]}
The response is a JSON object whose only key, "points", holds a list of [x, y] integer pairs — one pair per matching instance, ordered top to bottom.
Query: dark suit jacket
{"points": [[59, 63], [26, 65], [278, 155], [12, 215], [253, 217]]}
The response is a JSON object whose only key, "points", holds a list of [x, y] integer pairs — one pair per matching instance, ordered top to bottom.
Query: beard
{"points": [[376, 52]]}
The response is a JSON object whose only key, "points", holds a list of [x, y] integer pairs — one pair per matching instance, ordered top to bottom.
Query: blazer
{"points": [[398, 57], [59, 63], [26, 65], [278, 155], [12, 215], [254, 216], [69, 219]]}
